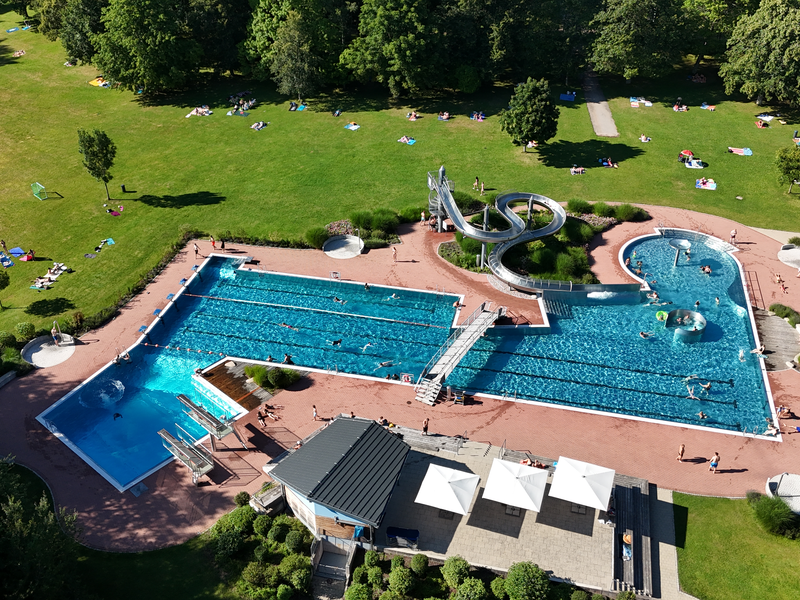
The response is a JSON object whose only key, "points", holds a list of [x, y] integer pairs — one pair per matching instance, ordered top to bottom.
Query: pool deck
{"points": [[171, 510]]}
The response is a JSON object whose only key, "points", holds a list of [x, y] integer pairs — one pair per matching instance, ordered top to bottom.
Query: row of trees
{"points": [[412, 45]]}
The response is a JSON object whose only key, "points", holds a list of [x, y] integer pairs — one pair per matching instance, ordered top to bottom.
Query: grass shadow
{"points": [[7, 55], [213, 91], [563, 154], [183, 200], [49, 307], [681, 516]]}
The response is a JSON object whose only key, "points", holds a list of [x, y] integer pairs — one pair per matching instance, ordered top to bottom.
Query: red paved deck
{"points": [[172, 510]]}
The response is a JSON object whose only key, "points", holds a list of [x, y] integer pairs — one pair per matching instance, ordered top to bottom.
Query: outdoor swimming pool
{"points": [[230, 312], [596, 360]]}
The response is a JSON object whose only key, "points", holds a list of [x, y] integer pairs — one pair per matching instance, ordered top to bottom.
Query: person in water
{"points": [[336, 342], [287, 359], [117, 416]]}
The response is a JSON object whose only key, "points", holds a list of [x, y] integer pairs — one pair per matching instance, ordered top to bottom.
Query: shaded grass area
{"points": [[305, 170], [723, 553], [184, 571]]}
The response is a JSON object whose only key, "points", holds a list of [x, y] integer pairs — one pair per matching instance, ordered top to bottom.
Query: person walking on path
{"points": [[476, 184], [483, 192], [422, 217], [733, 237], [213, 243], [222, 245], [196, 250], [394, 253], [54, 333], [314, 407], [425, 426], [681, 450], [714, 463]]}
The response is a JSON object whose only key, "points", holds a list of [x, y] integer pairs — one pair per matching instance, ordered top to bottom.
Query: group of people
{"points": [[698, 78], [677, 107], [200, 111], [478, 115], [412, 116], [444, 116], [644, 138], [405, 139], [608, 163], [576, 170], [479, 185], [706, 269], [781, 283], [265, 412], [533, 463]]}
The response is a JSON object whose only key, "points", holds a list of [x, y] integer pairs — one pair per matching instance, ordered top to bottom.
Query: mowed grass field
{"points": [[304, 170]]}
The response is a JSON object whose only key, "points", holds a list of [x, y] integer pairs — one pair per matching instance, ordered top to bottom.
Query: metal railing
{"points": [[449, 342], [502, 451]]}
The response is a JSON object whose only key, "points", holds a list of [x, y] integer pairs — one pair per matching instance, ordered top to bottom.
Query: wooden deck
{"points": [[782, 341], [229, 378]]}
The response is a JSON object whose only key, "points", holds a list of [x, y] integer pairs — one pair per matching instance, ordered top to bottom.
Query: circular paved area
{"points": [[343, 246], [790, 257], [42, 351]]}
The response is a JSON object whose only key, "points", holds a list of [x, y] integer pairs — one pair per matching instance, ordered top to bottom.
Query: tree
{"points": [[49, 13], [80, 24], [709, 24], [219, 27], [637, 37], [147, 44], [394, 47], [256, 50], [763, 58], [293, 65], [531, 114], [98, 155], [788, 162], [4, 281], [455, 570], [401, 581], [526, 581], [471, 589]]}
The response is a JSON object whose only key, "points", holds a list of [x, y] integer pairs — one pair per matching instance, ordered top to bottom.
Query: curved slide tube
{"points": [[507, 239]]}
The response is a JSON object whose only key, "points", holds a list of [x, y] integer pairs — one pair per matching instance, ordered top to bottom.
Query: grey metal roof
{"points": [[351, 467]]}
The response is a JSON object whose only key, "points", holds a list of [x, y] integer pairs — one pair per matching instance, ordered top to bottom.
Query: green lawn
{"points": [[305, 169], [723, 553]]}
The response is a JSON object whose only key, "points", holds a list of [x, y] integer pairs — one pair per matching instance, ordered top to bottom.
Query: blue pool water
{"points": [[236, 313], [594, 360], [597, 360]]}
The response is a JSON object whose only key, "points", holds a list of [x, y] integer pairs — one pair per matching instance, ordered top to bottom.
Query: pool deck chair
{"points": [[39, 191]]}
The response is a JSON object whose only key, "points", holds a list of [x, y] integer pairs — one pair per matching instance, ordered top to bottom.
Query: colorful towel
{"points": [[12, 30], [567, 97], [634, 105], [301, 107], [766, 118], [352, 127], [411, 142], [741, 151], [710, 185], [114, 213], [110, 242], [16, 251], [26, 258], [5, 261]]}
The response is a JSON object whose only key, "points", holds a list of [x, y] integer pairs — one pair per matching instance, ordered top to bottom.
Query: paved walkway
{"points": [[599, 111], [172, 510]]}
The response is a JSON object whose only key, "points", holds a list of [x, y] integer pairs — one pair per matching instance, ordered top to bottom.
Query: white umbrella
{"points": [[582, 483], [516, 484], [447, 489]]}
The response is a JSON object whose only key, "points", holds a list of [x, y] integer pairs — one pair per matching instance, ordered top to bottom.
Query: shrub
{"points": [[467, 204], [579, 207], [601, 209], [628, 212], [410, 214], [362, 219], [385, 220], [377, 234], [316, 237], [794, 240], [373, 243], [470, 245], [544, 258], [565, 264], [784, 312], [26, 330], [7, 340], [258, 374], [283, 378], [753, 496], [242, 499], [776, 517], [242, 518], [262, 525], [278, 532], [294, 542], [228, 544], [261, 553], [371, 558], [398, 561], [419, 564], [296, 569], [455, 570], [360, 574], [261, 575], [375, 576], [301, 578], [401, 580], [526, 581], [498, 586], [471, 589], [248, 591], [358, 591], [285, 592], [390, 595], [579, 595], [627, 595], [598, 597]]}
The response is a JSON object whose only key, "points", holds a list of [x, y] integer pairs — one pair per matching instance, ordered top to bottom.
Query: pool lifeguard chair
{"points": [[39, 191]]}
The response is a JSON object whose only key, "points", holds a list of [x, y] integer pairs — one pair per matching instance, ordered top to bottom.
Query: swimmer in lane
{"points": [[366, 287], [393, 297], [340, 301], [289, 326], [645, 334], [336, 342], [364, 348], [759, 350], [741, 356], [287, 359], [387, 363], [689, 378], [706, 386], [691, 395], [702, 415], [117, 416]]}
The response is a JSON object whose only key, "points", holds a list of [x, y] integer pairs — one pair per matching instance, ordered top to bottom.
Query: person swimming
{"points": [[393, 297], [342, 302], [289, 326], [645, 334], [336, 342], [364, 348], [741, 356], [287, 359], [706, 386], [117, 416]]}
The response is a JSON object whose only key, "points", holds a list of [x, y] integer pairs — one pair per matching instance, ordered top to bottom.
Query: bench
{"points": [[396, 535]]}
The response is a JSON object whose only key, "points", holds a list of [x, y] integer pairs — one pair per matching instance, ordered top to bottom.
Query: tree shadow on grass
{"points": [[7, 55], [214, 92], [563, 154], [183, 200], [49, 307]]}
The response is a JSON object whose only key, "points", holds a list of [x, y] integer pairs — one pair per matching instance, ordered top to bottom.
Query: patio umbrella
{"points": [[687, 153], [582, 483], [516, 484], [447, 489]]}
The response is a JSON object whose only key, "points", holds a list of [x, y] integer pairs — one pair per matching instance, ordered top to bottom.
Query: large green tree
{"points": [[48, 15], [80, 24], [709, 24], [219, 27], [637, 37], [147, 44], [395, 46], [256, 49], [763, 59], [294, 66], [531, 113], [98, 154], [788, 162], [38, 557], [526, 581]]}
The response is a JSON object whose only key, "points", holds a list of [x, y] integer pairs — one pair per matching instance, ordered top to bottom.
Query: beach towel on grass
{"points": [[12, 30], [568, 97], [634, 105], [301, 107], [352, 127], [411, 142], [741, 151], [710, 185], [114, 213], [110, 242], [16, 251], [90, 255], [27, 257], [5, 261]]}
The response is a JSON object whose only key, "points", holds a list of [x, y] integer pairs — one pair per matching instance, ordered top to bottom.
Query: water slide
{"points": [[517, 233]]}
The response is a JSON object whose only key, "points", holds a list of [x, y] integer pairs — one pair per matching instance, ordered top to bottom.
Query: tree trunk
{"points": [[697, 62], [760, 100], [791, 185], [108, 197]]}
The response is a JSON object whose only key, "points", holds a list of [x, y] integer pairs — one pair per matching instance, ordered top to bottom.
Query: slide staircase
{"points": [[186, 450]]}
